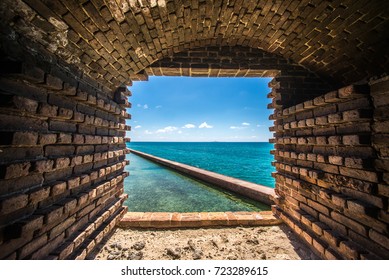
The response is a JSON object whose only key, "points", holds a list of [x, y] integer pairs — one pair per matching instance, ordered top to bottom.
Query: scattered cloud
{"points": [[145, 106], [158, 106], [189, 125], [205, 125], [243, 125], [259, 125], [138, 126], [167, 129], [148, 132], [179, 132]]}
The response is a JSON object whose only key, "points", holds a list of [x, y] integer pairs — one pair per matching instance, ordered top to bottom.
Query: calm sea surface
{"points": [[246, 161]]}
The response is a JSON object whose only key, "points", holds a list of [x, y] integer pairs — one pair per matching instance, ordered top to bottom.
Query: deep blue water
{"points": [[246, 161]]}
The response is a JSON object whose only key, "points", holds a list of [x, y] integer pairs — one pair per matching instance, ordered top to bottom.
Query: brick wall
{"points": [[62, 156], [331, 180]]}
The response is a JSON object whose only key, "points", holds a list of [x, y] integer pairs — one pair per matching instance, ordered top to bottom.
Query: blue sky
{"points": [[186, 109]]}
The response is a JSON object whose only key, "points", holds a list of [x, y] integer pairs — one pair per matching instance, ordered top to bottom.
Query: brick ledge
{"points": [[197, 219]]}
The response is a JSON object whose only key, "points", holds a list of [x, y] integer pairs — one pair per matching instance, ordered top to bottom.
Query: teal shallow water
{"points": [[247, 161], [153, 188]]}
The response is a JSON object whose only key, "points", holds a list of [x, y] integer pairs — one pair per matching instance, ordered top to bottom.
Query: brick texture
{"points": [[328, 175]]}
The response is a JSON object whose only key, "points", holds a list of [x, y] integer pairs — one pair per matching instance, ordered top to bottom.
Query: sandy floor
{"points": [[241, 243]]}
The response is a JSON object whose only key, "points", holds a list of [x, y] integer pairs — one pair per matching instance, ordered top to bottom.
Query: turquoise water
{"points": [[247, 161], [154, 188]]}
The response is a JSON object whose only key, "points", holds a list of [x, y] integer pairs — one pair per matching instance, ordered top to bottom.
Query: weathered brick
{"points": [[53, 82], [25, 104], [48, 110], [10, 122], [62, 126], [64, 138], [47, 139], [59, 150], [335, 160], [62, 162], [17, 170], [359, 174], [73, 182], [58, 188], [39, 195], [13, 203], [357, 227], [35, 244], [48, 247], [349, 250]]}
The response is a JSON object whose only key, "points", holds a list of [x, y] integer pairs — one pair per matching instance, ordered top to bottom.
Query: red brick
{"points": [[53, 82], [25, 104], [48, 110], [65, 113], [26, 138], [64, 138], [46, 139], [44, 166], [17, 170], [359, 174], [73, 182], [58, 188], [39, 195], [13, 203], [319, 207], [53, 214], [332, 224], [354, 225], [62, 227], [381, 239], [35, 244], [48, 248], [349, 250], [331, 254]]}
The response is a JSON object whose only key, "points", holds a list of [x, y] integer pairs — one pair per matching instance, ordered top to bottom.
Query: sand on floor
{"points": [[239, 243]]}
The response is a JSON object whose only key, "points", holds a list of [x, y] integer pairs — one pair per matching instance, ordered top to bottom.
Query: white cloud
{"points": [[142, 106], [158, 106], [245, 123], [189, 125], [205, 125], [259, 125], [138, 126], [237, 127], [167, 129], [148, 132], [179, 132]]}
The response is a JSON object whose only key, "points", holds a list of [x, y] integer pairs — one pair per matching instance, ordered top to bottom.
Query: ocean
{"points": [[247, 161]]}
